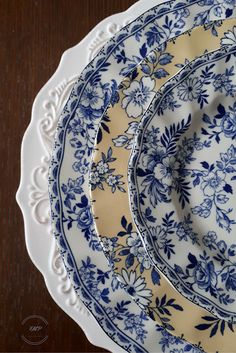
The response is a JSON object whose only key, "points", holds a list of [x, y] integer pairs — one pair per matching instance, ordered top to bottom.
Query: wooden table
{"points": [[33, 36]]}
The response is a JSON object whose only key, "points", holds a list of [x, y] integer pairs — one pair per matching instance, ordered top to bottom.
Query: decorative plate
{"points": [[183, 173], [32, 195], [70, 208], [120, 240], [119, 317]]}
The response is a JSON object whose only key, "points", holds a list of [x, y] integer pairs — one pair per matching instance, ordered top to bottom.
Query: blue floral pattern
{"points": [[138, 93], [223, 123], [77, 129], [166, 168], [101, 174], [213, 181], [135, 284], [134, 323]]}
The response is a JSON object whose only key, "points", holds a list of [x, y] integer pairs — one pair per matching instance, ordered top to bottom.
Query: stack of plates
{"points": [[142, 180]]}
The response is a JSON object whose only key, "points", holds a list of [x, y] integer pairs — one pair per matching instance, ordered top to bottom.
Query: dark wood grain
{"points": [[33, 36]]}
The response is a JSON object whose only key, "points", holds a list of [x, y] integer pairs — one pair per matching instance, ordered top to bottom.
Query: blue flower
{"points": [[182, 13], [220, 82], [223, 83], [190, 89], [137, 95], [92, 97], [168, 102], [88, 113], [229, 124], [76, 127], [152, 136], [185, 151], [79, 154], [152, 158], [81, 167], [167, 170], [213, 182], [73, 187], [84, 218], [185, 231], [159, 235], [209, 240], [87, 270], [86, 274], [205, 276], [230, 279], [94, 290], [131, 322], [134, 323], [141, 333], [168, 340]]}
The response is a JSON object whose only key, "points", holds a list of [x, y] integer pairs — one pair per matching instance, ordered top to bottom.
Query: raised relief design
{"points": [[102, 37], [38, 196]]}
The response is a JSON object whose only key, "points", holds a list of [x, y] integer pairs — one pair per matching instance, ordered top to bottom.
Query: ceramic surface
{"points": [[183, 172], [32, 195], [70, 208], [118, 234]]}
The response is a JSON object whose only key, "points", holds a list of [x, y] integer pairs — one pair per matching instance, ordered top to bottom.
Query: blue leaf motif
{"points": [[143, 50], [165, 59], [160, 73], [205, 165], [228, 188], [222, 199], [124, 222], [124, 252], [193, 260], [129, 261], [155, 277], [105, 295]]}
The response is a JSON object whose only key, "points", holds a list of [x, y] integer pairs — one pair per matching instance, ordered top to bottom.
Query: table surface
{"points": [[33, 36]]}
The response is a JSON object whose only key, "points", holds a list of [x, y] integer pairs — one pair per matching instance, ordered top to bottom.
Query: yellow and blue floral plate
{"points": [[182, 181], [113, 219], [72, 221]]}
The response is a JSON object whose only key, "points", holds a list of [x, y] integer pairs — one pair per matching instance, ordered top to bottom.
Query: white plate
{"points": [[32, 195]]}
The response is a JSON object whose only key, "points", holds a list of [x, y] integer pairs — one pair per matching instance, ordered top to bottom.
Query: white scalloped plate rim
{"points": [[32, 194]]}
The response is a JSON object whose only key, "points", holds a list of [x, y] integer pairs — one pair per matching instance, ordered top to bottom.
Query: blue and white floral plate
{"points": [[183, 171], [69, 175], [33, 198]]}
